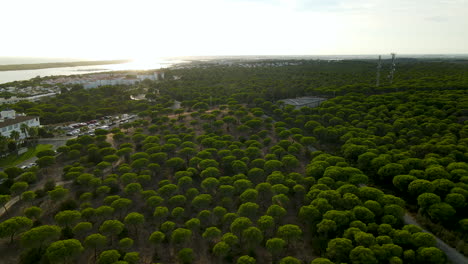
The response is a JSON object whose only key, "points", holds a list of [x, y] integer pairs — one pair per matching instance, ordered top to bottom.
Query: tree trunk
{"points": [[136, 233], [11, 238]]}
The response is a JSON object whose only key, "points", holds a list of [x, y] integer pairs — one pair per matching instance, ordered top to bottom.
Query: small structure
{"points": [[306, 101], [10, 121]]}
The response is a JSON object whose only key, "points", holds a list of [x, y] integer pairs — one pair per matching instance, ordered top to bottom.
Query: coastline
{"points": [[38, 66]]}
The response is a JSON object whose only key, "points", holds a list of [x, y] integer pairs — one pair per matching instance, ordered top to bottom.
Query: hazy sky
{"points": [[143, 28]]}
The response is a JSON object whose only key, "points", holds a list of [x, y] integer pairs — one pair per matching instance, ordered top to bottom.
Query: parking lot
{"points": [[88, 128]]}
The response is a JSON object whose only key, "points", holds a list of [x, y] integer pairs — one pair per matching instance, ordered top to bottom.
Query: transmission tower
{"points": [[379, 66], [392, 68]]}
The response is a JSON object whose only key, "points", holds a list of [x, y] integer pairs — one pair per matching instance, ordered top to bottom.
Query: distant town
{"points": [[53, 86]]}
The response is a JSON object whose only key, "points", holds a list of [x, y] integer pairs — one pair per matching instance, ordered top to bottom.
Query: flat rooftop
{"points": [[303, 100], [16, 120]]}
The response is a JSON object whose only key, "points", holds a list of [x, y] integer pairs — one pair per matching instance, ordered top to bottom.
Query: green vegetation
{"points": [[36, 66], [322, 78], [84, 104], [13, 159], [233, 176]]}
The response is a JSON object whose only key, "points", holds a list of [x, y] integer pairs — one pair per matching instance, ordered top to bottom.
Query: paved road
{"points": [[56, 142], [15, 199], [9, 204], [453, 255]]}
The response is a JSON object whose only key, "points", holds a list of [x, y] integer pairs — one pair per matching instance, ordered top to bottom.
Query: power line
{"points": [[379, 67], [392, 68]]}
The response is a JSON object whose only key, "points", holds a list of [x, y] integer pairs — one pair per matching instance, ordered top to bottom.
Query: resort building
{"points": [[96, 80], [10, 121]]}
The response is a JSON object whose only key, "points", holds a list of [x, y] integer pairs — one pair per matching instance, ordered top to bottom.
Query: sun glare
{"points": [[143, 63]]}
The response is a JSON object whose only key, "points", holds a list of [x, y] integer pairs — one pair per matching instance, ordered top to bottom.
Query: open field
{"points": [[13, 160]]}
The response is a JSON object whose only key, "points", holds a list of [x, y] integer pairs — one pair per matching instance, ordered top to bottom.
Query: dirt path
{"points": [[110, 140], [453, 255]]}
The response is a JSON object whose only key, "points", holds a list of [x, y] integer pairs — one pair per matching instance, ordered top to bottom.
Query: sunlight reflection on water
{"points": [[147, 64]]}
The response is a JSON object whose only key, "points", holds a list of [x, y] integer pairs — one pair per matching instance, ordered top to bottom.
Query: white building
{"points": [[151, 76], [100, 80], [118, 81], [32, 98], [306, 101], [10, 121]]}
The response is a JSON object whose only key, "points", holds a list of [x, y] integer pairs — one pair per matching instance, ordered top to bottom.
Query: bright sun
{"points": [[144, 62]]}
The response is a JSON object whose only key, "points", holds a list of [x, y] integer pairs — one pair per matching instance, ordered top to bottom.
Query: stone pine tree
{"points": [[13, 226], [111, 228], [39, 236], [64, 250]]}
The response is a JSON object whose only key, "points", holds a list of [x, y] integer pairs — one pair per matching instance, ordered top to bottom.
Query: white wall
{"points": [[6, 131]]}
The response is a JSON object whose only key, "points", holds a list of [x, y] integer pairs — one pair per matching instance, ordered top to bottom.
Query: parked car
{"points": [[32, 164]]}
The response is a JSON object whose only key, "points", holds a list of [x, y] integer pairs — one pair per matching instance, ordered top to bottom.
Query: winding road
{"points": [[15, 199], [453, 255]]}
